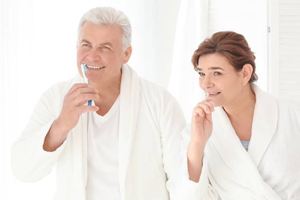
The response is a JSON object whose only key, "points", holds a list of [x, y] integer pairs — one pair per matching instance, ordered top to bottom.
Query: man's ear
{"points": [[127, 54], [247, 73]]}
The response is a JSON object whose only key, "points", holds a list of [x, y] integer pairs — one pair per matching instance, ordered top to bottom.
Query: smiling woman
{"points": [[222, 65], [238, 130]]}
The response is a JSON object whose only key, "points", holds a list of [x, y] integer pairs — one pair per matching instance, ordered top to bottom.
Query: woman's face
{"points": [[220, 80]]}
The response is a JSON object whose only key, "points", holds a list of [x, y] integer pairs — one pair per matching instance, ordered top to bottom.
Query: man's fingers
{"points": [[76, 86], [83, 90], [77, 94], [83, 98], [86, 108]]}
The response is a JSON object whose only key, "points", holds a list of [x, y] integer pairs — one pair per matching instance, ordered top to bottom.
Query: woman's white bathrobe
{"points": [[149, 143], [270, 170]]}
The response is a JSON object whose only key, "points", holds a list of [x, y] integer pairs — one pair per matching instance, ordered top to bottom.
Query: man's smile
{"points": [[94, 67]]}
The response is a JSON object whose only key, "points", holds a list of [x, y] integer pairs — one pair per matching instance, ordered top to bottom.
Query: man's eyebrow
{"points": [[85, 41], [106, 43], [99, 45]]}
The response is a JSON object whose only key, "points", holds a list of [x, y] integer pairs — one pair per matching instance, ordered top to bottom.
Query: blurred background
{"points": [[38, 49]]}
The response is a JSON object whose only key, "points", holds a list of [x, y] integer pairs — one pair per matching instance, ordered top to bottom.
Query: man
{"points": [[125, 145]]}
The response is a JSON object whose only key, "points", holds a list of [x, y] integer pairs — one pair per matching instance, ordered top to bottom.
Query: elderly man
{"points": [[123, 146]]}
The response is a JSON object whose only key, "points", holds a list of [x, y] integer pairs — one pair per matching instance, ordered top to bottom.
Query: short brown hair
{"points": [[232, 46]]}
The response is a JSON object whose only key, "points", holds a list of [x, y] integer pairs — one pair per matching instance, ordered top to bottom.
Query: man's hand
{"points": [[73, 106]]}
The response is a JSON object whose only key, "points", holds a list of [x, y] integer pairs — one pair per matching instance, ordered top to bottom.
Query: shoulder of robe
{"points": [[155, 91], [54, 95], [291, 108]]}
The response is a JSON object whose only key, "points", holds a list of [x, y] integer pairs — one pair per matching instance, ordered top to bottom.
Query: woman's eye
{"points": [[199, 71], [217, 73], [201, 74]]}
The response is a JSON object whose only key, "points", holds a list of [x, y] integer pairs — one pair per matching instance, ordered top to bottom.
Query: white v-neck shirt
{"points": [[103, 140]]}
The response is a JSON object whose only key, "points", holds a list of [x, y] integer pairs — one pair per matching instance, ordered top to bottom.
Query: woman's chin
{"points": [[216, 102]]}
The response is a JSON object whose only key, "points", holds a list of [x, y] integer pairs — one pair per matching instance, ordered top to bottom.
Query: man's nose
{"points": [[93, 55]]}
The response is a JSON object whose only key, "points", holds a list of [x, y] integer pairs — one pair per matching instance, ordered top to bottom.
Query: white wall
{"points": [[284, 48]]}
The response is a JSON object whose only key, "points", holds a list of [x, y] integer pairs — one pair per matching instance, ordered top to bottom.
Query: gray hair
{"points": [[109, 16]]}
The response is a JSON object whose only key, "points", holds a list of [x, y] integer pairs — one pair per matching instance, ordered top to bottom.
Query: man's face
{"points": [[100, 47]]}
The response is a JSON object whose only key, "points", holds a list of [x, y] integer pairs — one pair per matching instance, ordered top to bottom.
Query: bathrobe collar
{"points": [[130, 98], [263, 127], [243, 165]]}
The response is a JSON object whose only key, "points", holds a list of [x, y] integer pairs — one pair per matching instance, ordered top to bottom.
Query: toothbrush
{"points": [[84, 69]]}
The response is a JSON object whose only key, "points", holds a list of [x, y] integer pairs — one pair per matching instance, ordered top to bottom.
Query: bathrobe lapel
{"points": [[130, 98], [129, 108], [264, 125], [243, 165], [77, 172]]}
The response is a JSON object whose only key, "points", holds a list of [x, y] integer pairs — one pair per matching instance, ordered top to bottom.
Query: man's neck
{"points": [[109, 92]]}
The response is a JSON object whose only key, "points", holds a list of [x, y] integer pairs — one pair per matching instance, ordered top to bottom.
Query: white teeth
{"points": [[95, 67], [214, 93]]}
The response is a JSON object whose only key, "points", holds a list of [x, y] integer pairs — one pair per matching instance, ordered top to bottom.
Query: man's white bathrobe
{"points": [[149, 143], [270, 170]]}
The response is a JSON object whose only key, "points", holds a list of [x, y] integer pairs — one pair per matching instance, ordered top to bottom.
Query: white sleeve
{"points": [[29, 161], [184, 188]]}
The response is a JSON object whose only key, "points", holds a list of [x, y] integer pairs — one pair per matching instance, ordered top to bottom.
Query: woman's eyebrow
{"points": [[210, 68]]}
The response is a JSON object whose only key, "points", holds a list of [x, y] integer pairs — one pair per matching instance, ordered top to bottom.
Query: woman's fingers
{"points": [[206, 106], [199, 111]]}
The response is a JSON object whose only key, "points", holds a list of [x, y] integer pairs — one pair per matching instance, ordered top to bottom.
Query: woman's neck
{"points": [[243, 104], [241, 114]]}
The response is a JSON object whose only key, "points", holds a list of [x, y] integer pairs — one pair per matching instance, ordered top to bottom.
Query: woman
{"points": [[244, 142]]}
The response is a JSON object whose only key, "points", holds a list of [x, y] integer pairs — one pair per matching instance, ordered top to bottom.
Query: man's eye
{"points": [[85, 45], [106, 48]]}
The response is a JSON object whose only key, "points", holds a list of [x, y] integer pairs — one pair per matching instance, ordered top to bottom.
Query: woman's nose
{"points": [[206, 82]]}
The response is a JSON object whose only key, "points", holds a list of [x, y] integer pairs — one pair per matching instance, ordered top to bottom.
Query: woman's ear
{"points": [[247, 73]]}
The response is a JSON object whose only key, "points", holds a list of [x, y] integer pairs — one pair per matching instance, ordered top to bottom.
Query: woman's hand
{"points": [[202, 122], [201, 131]]}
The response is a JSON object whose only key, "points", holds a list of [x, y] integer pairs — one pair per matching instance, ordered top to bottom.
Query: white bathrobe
{"points": [[149, 143], [270, 170]]}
